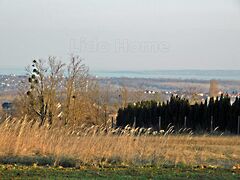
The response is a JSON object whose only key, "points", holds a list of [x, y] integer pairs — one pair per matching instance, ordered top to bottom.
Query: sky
{"points": [[122, 34]]}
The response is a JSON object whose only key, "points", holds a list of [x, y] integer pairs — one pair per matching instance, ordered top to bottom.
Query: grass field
{"points": [[29, 151], [163, 172]]}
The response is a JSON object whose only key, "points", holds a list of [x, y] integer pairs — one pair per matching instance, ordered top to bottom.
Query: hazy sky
{"points": [[122, 34]]}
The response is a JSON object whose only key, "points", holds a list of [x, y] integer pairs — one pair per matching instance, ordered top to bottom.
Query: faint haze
{"points": [[123, 34]]}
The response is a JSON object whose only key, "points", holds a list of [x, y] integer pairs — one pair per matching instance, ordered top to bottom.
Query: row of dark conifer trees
{"points": [[215, 112]]}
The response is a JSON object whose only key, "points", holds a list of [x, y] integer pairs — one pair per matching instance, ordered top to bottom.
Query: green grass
{"points": [[163, 172]]}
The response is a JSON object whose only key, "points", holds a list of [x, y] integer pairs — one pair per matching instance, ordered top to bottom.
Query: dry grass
{"points": [[98, 145]]}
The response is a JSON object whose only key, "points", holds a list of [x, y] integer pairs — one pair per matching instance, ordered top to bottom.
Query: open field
{"points": [[165, 84], [96, 145], [105, 151], [98, 153], [163, 172]]}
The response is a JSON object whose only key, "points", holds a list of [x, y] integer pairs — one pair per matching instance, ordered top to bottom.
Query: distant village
{"points": [[10, 82], [9, 85]]}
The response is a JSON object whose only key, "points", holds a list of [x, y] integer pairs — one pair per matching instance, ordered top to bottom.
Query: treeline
{"points": [[177, 112]]}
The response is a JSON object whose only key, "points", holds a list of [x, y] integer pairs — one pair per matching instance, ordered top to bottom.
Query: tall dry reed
{"points": [[100, 145]]}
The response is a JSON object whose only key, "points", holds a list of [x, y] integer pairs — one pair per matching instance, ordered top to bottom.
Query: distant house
{"points": [[149, 92], [7, 106]]}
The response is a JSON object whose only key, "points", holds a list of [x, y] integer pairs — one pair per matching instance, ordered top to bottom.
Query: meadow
{"points": [[113, 152]]}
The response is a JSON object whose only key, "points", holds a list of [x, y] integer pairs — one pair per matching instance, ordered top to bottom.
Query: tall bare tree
{"points": [[43, 83], [76, 85], [56, 91]]}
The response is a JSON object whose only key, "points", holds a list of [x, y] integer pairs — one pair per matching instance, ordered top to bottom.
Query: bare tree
{"points": [[43, 82], [75, 86], [56, 93], [123, 96], [105, 98]]}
